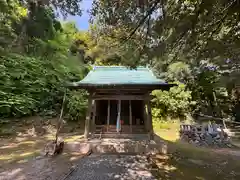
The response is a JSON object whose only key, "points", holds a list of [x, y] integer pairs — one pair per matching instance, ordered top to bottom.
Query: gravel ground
{"points": [[109, 167], [38, 169]]}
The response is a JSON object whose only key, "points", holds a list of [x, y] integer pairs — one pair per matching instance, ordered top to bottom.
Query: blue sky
{"points": [[82, 21]]}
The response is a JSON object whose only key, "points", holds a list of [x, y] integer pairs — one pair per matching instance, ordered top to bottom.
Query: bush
{"points": [[31, 85], [173, 103], [76, 105]]}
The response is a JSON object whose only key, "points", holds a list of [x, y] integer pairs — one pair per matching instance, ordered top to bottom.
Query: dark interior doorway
{"points": [[102, 112], [113, 112], [125, 112], [137, 112]]}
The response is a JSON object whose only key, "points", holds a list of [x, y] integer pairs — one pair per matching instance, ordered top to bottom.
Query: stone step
{"points": [[126, 129], [116, 135], [126, 146]]}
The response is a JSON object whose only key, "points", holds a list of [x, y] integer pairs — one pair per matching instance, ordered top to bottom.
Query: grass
{"points": [[167, 130], [18, 146], [14, 151], [20, 151], [185, 161]]}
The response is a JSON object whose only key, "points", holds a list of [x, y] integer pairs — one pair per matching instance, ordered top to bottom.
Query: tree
{"points": [[66, 7], [195, 42], [35, 63], [173, 103]]}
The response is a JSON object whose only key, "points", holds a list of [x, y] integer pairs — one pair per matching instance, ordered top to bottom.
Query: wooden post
{"points": [[130, 114], [108, 115], [119, 115], [94, 116], [145, 116], [149, 116], [60, 121], [87, 122]]}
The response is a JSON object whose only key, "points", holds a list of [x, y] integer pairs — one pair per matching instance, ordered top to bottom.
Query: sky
{"points": [[82, 21]]}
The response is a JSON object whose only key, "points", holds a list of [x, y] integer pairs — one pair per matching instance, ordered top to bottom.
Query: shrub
{"points": [[31, 85], [173, 103], [76, 105]]}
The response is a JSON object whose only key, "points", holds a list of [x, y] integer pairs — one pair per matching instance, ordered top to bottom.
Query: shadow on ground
{"points": [[22, 148], [24, 160], [187, 162], [112, 166]]}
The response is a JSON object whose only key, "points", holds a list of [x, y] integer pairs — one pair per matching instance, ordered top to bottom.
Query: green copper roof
{"points": [[119, 75]]}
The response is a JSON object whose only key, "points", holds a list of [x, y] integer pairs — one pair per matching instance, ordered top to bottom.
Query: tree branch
{"points": [[149, 12]]}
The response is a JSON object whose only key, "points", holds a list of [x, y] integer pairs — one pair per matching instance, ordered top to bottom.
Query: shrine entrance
{"points": [[131, 115]]}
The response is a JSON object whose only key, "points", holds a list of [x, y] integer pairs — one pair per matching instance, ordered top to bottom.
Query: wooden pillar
{"points": [[94, 108], [130, 114], [108, 115], [119, 115], [145, 116], [149, 117], [87, 121]]}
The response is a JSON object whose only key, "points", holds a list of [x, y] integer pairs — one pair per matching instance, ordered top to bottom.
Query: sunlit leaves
{"points": [[173, 103]]}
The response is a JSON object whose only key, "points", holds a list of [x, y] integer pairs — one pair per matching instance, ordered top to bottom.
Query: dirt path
{"points": [[18, 165], [101, 167], [109, 167], [39, 169]]}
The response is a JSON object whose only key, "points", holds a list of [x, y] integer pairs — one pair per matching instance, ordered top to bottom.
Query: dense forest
{"points": [[194, 44], [37, 58]]}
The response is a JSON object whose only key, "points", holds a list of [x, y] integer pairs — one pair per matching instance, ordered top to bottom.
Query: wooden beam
{"points": [[118, 88], [121, 90], [120, 97], [130, 114], [108, 115], [145, 116], [87, 121]]}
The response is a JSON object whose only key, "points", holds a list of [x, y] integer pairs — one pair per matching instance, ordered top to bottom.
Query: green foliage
{"points": [[66, 7], [11, 14], [41, 23], [194, 42], [94, 47], [36, 62], [178, 71], [31, 85], [176, 102], [76, 105]]}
